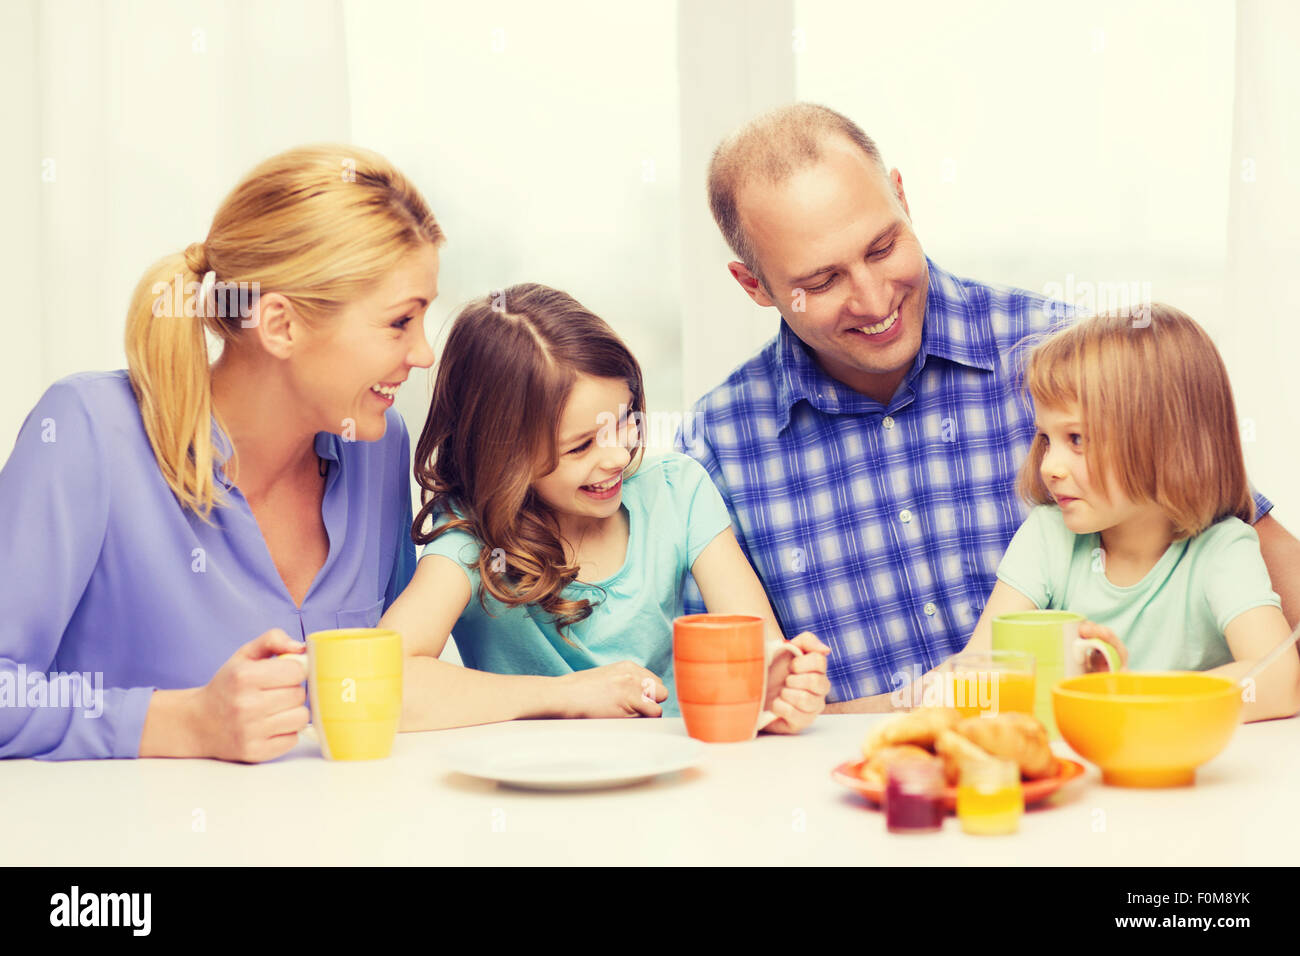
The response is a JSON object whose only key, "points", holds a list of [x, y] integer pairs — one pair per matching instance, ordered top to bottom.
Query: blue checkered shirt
{"points": [[880, 527]]}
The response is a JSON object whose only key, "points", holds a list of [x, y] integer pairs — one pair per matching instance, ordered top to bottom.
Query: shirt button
{"points": [[887, 422], [905, 516], [929, 608]]}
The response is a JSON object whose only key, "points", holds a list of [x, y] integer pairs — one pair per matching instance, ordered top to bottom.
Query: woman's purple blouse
{"points": [[112, 589]]}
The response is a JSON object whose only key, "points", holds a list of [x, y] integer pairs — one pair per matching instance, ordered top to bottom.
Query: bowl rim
{"points": [[1230, 688]]}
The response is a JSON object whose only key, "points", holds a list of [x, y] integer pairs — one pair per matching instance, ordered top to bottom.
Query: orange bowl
{"points": [[1147, 730]]}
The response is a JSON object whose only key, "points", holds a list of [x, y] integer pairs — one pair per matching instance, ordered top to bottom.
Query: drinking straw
{"points": [[1272, 655]]}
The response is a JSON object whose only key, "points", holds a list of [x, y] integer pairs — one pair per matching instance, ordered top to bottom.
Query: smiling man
{"points": [[868, 453]]}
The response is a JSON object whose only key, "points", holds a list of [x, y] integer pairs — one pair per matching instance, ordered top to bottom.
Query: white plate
{"points": [[573, 761]]}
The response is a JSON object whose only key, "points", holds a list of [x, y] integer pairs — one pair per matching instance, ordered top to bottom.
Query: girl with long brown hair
{"points": [[1143, 505], [553, 547]]}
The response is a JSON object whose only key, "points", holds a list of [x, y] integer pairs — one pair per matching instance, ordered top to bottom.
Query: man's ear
{"points": [[896, 180], [750, 283], [276, 325]]}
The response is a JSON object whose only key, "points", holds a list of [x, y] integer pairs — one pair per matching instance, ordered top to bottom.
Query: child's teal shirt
{"points": [[674, 511], [1174, 618]]}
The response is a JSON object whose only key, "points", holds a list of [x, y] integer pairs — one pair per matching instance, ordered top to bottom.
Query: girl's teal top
{"points": [[674, 511]]}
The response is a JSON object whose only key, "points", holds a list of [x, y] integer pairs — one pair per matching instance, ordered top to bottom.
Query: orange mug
{"points": [[720, 665]]}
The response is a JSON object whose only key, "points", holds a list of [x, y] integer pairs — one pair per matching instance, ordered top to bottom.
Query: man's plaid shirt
{"points": [[880, 528]]}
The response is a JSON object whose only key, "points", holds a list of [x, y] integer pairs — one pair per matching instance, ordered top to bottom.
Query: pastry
{"points": [[919, 728], [1012, 736], [956, 750], [876, 770]]}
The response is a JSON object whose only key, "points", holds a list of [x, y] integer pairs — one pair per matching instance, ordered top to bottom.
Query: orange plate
{"points": [[1035, 790]]}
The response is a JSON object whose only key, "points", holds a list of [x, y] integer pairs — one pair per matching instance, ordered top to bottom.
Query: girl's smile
{"points": [[586, 486], [605, 490]]}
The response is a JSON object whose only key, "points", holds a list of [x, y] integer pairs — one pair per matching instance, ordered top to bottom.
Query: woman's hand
{"points": [[1089, 630], [797, 686], [624, 689], [254, 706]]}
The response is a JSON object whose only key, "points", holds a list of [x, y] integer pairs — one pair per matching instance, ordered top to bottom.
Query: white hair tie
{"points": [[205, 292]]}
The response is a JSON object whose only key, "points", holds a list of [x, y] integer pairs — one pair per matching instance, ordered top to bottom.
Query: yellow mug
{"points": [[354, 689]]}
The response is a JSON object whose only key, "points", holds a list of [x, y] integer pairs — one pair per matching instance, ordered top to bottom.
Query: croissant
{"points": [[919, 728], [1012, 736], [956, 750], [876, 770]]}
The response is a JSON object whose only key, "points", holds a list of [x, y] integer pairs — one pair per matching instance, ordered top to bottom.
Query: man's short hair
{"points": [[771, 148]]}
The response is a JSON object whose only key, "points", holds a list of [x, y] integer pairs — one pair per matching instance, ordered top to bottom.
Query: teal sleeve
{"points": [[693, 442], [700, 503], [461, 547], [1026, 564], [1234, 577]]}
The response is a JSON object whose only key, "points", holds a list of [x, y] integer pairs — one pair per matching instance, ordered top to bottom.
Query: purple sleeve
{"points": [[53, 517], [404, 560]]}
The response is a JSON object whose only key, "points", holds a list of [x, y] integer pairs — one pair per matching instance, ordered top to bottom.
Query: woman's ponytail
{"points": [[316, 225], [167, 357]]}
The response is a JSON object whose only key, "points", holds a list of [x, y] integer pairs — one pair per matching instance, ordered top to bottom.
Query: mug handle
{"points": [[1083, 645], [774, 651], [302, 658]]}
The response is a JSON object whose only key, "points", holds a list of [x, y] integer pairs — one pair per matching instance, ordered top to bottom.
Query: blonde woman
{"points": [[157, 520]]}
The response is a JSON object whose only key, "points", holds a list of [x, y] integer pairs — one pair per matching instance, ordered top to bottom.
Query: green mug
{"points": [[1052, 637]]}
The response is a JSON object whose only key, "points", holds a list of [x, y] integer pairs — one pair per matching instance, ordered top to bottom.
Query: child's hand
{"points": [[1090, 630], [797, 686], [625, 689]]}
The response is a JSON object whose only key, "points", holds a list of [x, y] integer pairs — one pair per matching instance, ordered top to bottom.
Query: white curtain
{"points": [[133, 120], [545, 138], [1040, 145], [1082, 150], [1261, 333]]}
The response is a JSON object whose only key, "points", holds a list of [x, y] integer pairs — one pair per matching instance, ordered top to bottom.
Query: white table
{"points": [[768, 801]]}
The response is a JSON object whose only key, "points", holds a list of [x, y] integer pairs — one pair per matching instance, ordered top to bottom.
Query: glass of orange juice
{"points": [[989, 682], [989, 797]]}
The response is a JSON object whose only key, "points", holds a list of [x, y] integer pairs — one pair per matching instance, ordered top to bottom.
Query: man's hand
{"points": [[803, 686]]}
